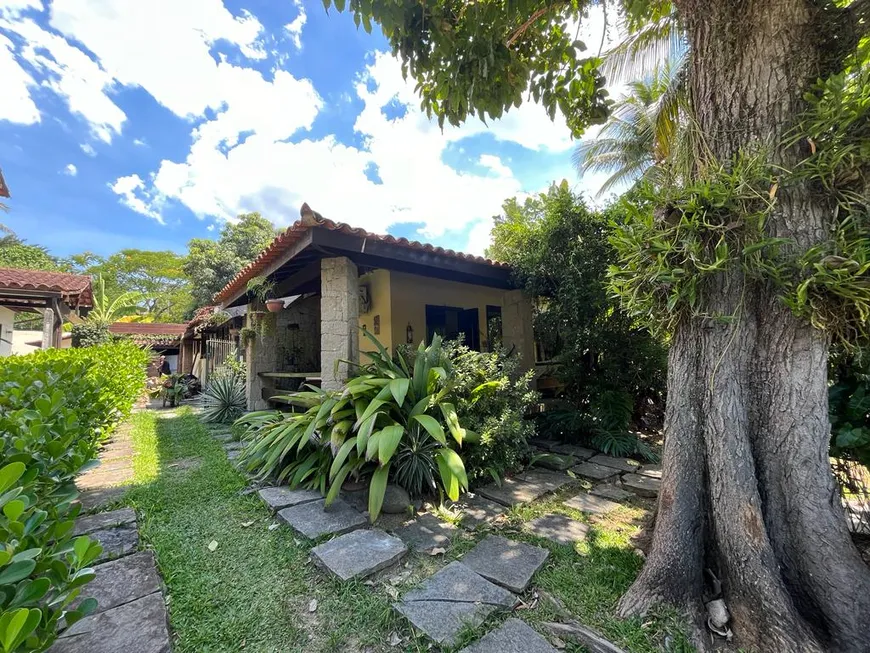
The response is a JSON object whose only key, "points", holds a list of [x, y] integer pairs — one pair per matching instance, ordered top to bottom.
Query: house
{"points": [[334, 279], [57, 296], [212, 335], [163, 338]]}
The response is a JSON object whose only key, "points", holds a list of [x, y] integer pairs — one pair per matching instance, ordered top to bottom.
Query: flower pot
{"points": [[274, 305]]}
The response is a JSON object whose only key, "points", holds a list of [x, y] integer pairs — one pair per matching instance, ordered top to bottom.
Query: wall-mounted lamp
{"points": [[409, 334]]}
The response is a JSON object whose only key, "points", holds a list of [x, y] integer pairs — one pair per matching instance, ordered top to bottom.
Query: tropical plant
{"points": [[647, 136], [260, 288], [107, 310], [90, 334], [223, 399], [394, 404], [849, 406]]}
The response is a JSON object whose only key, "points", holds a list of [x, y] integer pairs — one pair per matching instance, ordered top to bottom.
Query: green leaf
{"points": [[399, 388], [449, 412], [432, 427], [389, 441], [341, 456], [455, 464], [9, 474], [448, 480], [337, 482], [377, 489], [13, 509], [80, 546], [16, 571], [16, 626]]}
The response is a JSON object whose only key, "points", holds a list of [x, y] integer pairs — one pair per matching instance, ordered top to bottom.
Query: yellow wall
{"points": [[379, 283], [410, 294]]}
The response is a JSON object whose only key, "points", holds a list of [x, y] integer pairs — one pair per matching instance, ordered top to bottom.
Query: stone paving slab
{"points": [[223, 437], [543, 443], [234, 445], [573, 450], [233, 454], [556, 462], [622, 464], [653, 471], [594, 472], [98, 479], [547, 481], [643, 486], [512, 491], [609, 491], [99, 497], [278, 498], [590, 503], [477, 510], [103, 520], [313, 520], [558, 528], [426, 532], [117, 542], [359, 554], [506, 562], [123, 580], [452, 599], [135, 627], [514, 636]]}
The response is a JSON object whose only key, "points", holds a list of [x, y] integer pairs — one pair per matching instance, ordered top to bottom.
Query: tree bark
{"points": [[747, 487]]}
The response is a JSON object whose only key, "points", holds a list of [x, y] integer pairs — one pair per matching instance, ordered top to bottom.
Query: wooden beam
{"points": [[377, 253], [297, 280]]}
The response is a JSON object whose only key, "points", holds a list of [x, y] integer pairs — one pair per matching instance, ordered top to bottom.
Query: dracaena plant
{"points": [[396, 420]]}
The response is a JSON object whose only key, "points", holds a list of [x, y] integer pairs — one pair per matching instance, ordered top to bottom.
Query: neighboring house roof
{"points": [[311, 219], [75, 289], [150, 333]]}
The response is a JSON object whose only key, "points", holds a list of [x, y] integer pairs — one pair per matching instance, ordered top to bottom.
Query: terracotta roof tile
{"points": [[311, 219], [74, 288], [148, 328]]}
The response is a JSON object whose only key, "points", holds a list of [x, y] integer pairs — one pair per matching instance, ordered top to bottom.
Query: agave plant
{"points": [[223, 399], [395, 419]]}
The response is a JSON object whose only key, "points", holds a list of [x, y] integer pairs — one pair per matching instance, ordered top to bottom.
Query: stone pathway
{"points": [[488, 578], [131, 612]]}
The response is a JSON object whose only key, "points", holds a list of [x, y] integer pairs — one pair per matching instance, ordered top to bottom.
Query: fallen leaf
{"points": [[247, 523], [272, 527], [213, 545], [437, 551], [392, 591], [312, 605], [395, 640], [558, 643]]}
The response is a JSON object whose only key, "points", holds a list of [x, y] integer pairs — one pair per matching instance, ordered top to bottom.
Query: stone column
{"points": [[339, 319], [48, 329], [517, 330], [261, 355]]}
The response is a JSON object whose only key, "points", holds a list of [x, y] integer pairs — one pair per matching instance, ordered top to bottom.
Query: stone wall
{"points": [[339, 319]]}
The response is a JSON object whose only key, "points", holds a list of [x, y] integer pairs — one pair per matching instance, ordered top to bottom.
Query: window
{"points": [[453, 323], [494, 333]]}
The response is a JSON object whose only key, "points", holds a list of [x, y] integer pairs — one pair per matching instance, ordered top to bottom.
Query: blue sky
{"points": [[131, 124]]}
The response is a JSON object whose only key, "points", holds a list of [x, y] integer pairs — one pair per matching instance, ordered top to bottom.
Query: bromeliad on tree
{"points": [[747, 489]]}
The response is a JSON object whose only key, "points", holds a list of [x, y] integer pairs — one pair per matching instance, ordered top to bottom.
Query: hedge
{"points": [[56, 406]]}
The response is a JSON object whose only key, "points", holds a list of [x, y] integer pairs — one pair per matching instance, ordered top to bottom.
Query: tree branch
{"points": [[522, 28]]}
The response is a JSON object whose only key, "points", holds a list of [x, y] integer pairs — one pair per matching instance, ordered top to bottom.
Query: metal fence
{"points": [[216, 354]]}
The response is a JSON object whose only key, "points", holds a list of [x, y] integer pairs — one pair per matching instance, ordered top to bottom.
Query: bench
{"points": [[272, 394]]}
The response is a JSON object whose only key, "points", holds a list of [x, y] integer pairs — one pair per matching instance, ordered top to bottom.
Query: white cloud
{"points": [[14, 8], [294, 27], [162, 46], [71, 74], [17, 105], [139, 142], [88, 149], [495, 164], [71, 170], [131, 189], [480, 237]]}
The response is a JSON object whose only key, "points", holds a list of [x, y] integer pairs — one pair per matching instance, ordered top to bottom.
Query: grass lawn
{"points": [[254, 591]]}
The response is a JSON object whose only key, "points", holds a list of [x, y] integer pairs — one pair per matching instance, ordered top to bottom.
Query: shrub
{"points": [[90, 334], [492, 398], [223, 399], [849, 405], [55, 407], [391, 421]]}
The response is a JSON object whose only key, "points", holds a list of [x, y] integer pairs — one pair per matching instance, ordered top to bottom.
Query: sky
{"points": [[145, 124]]}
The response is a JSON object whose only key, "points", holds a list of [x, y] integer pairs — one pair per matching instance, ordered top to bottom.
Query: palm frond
{"points": [[652, 45]]}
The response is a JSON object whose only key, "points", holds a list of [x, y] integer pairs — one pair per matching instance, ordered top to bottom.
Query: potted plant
{"points": [[262, 289]]}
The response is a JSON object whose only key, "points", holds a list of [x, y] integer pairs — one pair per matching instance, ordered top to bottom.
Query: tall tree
{"points": [[16, 253], [211, 264], [747, 490]]}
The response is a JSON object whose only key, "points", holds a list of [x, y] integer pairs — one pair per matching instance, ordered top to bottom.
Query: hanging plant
{"points": [[247, 335]]}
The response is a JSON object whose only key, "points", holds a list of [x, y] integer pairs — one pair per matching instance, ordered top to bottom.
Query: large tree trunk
{"points": [[747, 487]]}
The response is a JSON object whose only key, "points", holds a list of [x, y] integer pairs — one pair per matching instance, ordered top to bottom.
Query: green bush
{"points": [[90, 334], [492, 398], [849, 405], [55, 408]]}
